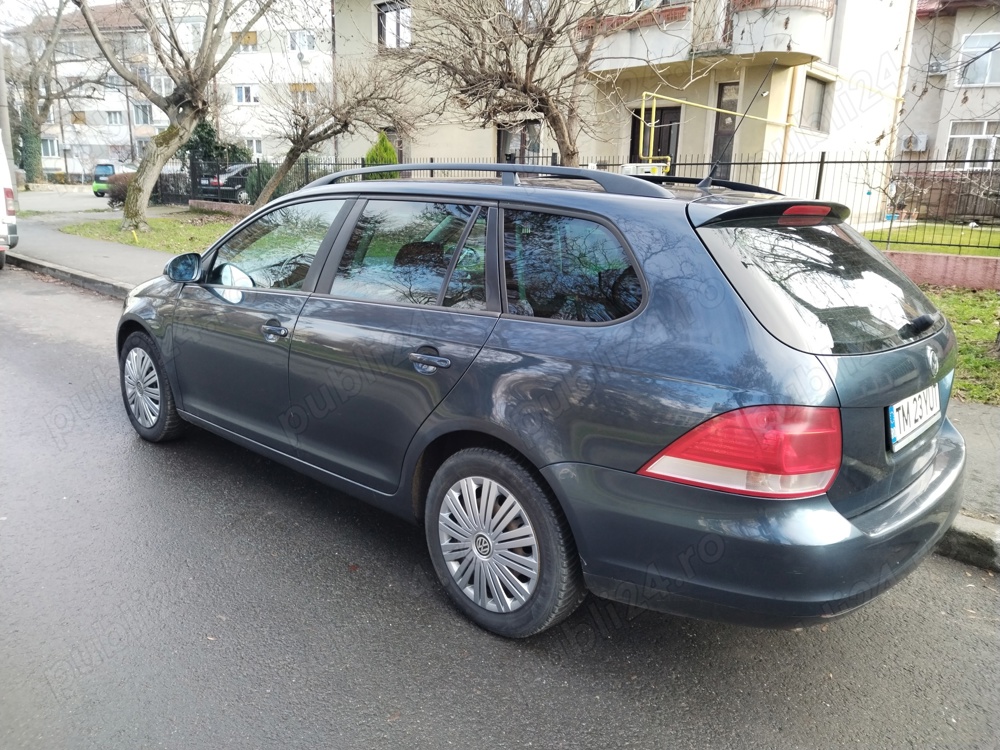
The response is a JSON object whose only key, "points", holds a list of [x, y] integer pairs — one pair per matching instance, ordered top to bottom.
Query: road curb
{"points": [[98, 284], [972, 541]]}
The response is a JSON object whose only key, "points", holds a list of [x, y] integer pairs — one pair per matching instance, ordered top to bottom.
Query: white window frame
{"points": [[301, 40], [978, 59], [162, 85], [246, 94], [138, 107], [115, 117], [823, 126], [255, 146], [50, 147], [966, 161]]}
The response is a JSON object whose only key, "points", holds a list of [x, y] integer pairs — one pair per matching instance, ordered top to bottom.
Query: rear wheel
{"points": [[149, 400], [500, 546]]}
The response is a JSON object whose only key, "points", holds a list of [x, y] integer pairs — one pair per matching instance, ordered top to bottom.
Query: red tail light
{"points": [[214, 182], [8, 198], [803, 215], [772, 451]]}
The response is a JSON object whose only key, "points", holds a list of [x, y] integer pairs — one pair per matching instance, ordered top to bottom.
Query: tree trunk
{"points": [[161, 148], [31, 150], [272, 184], [995, 349]]}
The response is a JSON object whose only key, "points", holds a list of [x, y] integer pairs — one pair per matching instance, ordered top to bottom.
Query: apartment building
{"points": [[669, 78], [952, 104]]}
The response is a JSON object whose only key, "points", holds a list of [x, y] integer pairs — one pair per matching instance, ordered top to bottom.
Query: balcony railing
{"points": [[652, 17]]}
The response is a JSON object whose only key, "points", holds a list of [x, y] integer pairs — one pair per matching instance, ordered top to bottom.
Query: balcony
{"points": [[794, 31]]}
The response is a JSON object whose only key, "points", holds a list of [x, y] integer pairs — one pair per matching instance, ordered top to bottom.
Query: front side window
{"points": [[394, 24], [980, 60], [973, 142], [275, 251], [402, 251], [566, 268]]}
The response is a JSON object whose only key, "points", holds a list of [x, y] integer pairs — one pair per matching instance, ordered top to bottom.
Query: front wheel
{"points": [[242, 196], [149, 400], [500, 546]]}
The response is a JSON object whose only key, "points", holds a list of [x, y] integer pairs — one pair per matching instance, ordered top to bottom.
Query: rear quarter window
{"points": [[823, 289]]}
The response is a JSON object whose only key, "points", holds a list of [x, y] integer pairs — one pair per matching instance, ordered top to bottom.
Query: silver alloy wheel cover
{"points": [[142, 387], [488, 543]]}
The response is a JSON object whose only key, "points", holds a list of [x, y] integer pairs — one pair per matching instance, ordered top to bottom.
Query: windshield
{"points": [[103, 170], [823, 289]]}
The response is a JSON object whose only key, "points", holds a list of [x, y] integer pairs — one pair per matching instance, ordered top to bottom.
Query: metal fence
{"points": [[901, 203]]}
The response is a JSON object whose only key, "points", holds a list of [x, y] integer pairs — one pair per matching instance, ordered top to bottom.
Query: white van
{"points": [[8, 213]]}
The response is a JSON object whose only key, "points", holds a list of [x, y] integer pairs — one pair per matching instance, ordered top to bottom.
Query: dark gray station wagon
{"points": [[715, 402]]}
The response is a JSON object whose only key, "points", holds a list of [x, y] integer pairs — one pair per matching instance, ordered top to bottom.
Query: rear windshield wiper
{"points": [[917, 326]]}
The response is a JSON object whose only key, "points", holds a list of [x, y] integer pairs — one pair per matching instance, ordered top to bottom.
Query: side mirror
{"points": [[184, 268], [231, 275]]}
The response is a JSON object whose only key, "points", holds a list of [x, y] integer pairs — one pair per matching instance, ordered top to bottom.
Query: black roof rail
{"points": [[659, 179], [611, 182]]}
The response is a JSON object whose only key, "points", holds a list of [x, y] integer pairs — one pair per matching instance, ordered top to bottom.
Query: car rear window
{"points": [[103, 170], [823, 289]]}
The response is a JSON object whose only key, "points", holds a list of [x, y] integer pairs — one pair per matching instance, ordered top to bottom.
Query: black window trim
{"points": [[596, 219], [324, 282]]}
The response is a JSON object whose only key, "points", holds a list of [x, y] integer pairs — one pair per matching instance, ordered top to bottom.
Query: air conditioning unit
{"points": [[936, 68], [915, 142]]}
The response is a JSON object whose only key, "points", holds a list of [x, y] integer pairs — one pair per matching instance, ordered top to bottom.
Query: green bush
{"points": [[380, 153], [118, 188]]}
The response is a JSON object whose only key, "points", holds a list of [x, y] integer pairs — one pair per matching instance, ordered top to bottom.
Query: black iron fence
{"points": [[901, 203]]}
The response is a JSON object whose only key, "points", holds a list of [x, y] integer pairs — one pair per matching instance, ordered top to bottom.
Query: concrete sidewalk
{"points": [[114, 269]]}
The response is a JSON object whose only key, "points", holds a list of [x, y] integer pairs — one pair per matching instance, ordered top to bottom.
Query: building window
{"points": [[394, 25], [191, 33], [301, 40], [247, 42], [980, 60], [114, 81], [162, 85], [247, 93], [303, 94], [814, 104], [142, 114], [78, 118], [115, 118], [973, 142], [141, 146], [255, 146], [50, 147]]}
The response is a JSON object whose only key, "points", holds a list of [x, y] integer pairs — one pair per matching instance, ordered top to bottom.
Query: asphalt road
{"points": [[196, 596]]}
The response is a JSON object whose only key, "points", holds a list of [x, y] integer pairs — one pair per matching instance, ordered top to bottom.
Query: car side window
{"points": [[275, 251], [401, 251], [566, 268]]}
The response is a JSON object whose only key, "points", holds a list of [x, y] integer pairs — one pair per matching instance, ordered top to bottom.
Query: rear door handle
{"points": [[273, 333], [427, 363]]}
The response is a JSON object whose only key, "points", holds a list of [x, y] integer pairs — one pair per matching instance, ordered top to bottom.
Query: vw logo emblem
{"points": [[932, 360], [483, 545]]}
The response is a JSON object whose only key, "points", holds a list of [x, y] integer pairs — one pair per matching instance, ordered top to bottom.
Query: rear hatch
{"points": [[817, 285]]}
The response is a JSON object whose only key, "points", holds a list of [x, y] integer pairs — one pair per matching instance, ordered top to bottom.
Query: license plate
{"points": [[911, 416]]}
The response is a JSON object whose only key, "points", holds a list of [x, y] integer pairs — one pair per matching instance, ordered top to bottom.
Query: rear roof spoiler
{"points": [[787, 212]]}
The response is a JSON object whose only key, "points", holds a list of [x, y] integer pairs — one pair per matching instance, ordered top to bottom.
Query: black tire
{"points": [[99, 193], [140, 361], [557, 588]]}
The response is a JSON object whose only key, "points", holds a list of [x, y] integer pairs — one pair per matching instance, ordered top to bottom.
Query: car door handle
{"points": [[273, 333], [429, 361]]}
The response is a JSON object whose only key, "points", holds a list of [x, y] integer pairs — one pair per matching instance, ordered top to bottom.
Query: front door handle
{"points": [[272, 333], [428, 363]]}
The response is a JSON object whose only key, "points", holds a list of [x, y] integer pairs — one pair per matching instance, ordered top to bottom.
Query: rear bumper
{"points": [[10, 230], [699, 553]]}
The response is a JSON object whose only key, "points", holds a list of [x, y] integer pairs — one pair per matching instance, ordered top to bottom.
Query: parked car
{"points": [[103, 170], [229, 185], [8, 217], [709, 401]]}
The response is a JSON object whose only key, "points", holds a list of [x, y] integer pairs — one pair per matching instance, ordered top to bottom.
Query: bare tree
{"points": [[37, 51], [191, 54], [510, 61], [368, 95]]}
